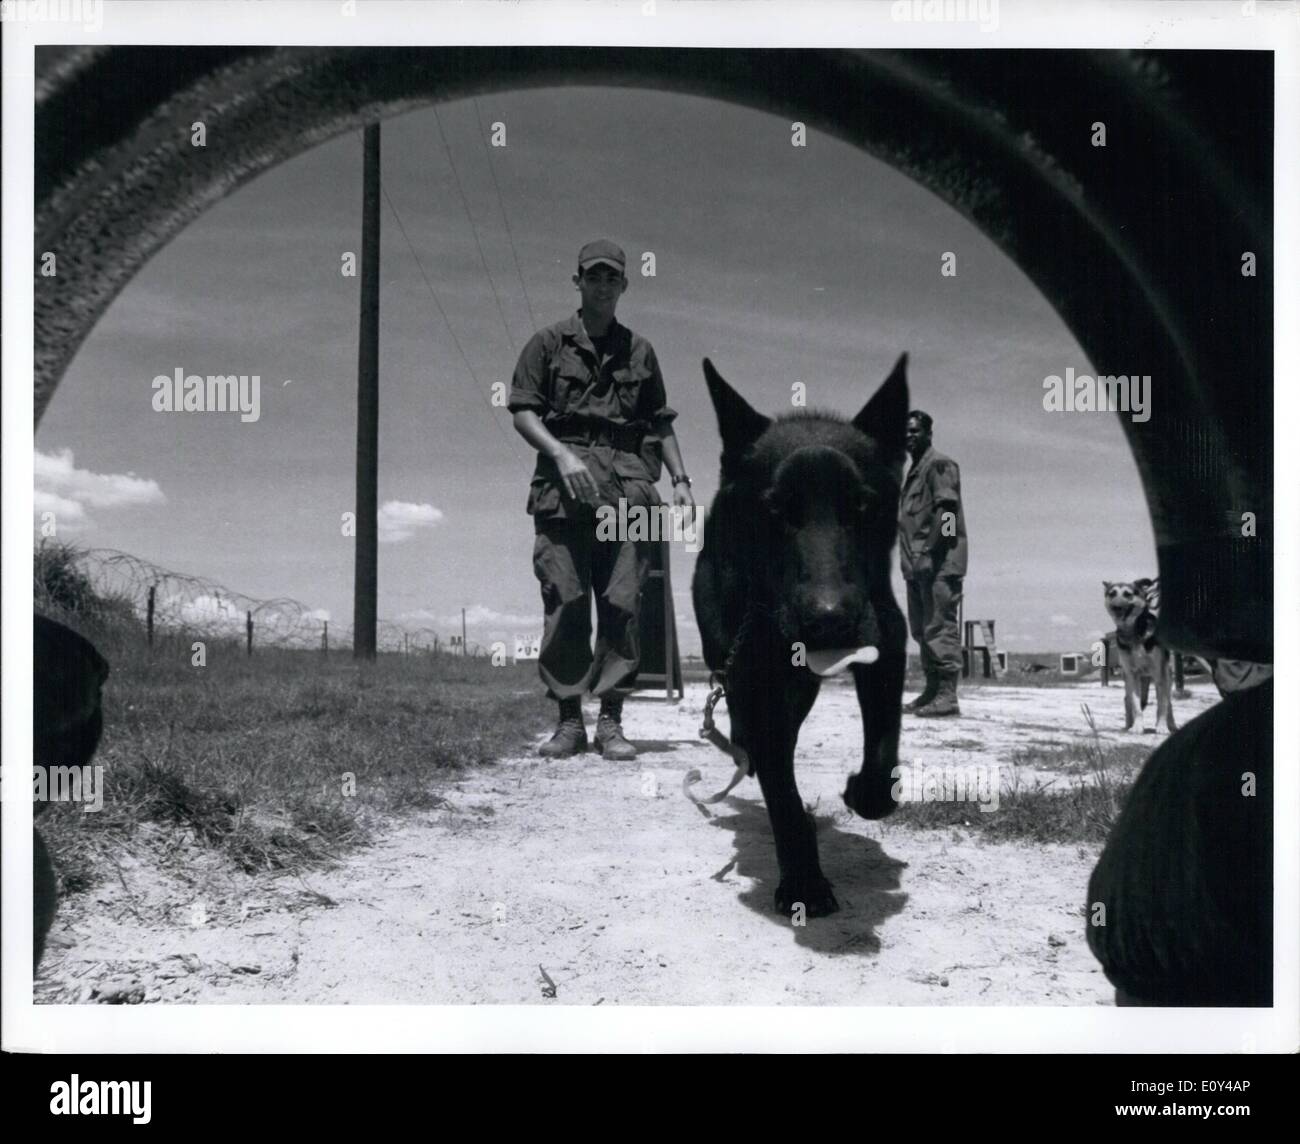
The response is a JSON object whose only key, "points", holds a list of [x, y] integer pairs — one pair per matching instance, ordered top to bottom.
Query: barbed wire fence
{"points": [[108, 588]]}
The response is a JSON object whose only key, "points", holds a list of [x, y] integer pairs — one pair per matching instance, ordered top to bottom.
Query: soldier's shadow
{"points": [[865, 878]]}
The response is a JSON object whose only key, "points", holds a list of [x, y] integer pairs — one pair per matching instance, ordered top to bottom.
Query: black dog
{"points": [[797, 551], [68, 676], [1186, 878]]}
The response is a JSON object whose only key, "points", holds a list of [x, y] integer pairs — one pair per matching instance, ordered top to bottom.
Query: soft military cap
{"points": [[602, 250]]}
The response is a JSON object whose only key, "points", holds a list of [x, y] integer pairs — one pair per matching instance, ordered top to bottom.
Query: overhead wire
{"points": [[505, 218], [474, 230], [514, 445]]}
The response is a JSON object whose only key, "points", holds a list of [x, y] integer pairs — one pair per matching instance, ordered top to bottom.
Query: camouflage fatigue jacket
{"points": [[612, 412], [931, 488]]}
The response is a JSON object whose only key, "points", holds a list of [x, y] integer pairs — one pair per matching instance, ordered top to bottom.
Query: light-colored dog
{"points": [[1135, 608]]}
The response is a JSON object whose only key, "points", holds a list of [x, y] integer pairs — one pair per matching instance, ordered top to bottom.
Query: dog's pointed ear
{"points": [[884, 417], [738, 424], [1106, 585]]}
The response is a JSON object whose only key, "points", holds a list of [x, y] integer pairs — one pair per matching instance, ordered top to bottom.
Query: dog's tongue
{"points": [[835, 660]]}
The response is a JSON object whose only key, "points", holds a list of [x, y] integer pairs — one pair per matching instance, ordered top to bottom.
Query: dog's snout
{"points": [[826, 606], [830, 619]]}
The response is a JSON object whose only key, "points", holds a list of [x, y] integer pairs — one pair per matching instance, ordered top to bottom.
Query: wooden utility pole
{"points": [[365, 606]]}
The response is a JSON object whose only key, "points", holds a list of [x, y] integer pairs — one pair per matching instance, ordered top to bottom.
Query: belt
{"points": [[625, 438]]}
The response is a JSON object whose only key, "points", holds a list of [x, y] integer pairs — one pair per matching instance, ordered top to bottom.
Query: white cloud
{"points": [[67, 491], [66, 511], [400, 520], [210, 612], [480, 615], [423, 616], [477, 617], [1063, 621]]}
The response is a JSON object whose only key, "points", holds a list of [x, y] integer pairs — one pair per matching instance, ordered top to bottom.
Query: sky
{"points": [[814, 264]]}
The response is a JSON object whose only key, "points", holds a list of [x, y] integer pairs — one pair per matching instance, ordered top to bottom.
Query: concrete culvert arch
{"points": [[1137, 245]]}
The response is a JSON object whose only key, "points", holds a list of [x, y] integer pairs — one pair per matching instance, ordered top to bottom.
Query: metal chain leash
{"points": [[718, 679]]}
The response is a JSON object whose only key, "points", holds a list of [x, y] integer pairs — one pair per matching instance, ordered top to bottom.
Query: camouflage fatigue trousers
{"points": [[571, 564], [932, 617]]}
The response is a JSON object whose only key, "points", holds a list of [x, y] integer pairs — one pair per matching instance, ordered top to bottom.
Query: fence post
{"points": [[149, 614], [248, 621], [325, 639]]}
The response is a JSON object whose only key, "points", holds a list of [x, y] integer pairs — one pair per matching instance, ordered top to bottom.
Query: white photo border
{"points": [[646, 23]]}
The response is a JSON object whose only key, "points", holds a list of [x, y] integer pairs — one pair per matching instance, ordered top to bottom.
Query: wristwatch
{"points": [[683, 479]]}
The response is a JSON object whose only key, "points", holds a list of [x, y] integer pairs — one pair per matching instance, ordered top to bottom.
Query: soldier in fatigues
{"points": [[589, 397], [932, 550]]}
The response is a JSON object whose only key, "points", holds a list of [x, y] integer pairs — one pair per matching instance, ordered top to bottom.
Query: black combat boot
{"points": [[926, 696], [945, 702], [609, 731], [570, 736]]}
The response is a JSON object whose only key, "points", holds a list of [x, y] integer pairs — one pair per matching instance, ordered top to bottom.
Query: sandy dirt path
{"points": [[623, 892]]}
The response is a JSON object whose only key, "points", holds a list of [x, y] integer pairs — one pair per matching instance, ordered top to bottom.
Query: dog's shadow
{"points": [[660, 746], [866, 880]]}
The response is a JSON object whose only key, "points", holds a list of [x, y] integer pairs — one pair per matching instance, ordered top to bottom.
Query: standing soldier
{"points": [[589, 397], [932, 550]]}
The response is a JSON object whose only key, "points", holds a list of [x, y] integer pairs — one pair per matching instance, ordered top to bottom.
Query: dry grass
{"points": [[285, 759], [1082, 810]]}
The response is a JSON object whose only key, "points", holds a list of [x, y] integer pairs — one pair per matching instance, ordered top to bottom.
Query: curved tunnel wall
{"points": [[1138, 244]]}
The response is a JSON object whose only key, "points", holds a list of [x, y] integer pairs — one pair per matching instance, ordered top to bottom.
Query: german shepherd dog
{"points": [[795, 568], [1135, 608]]}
